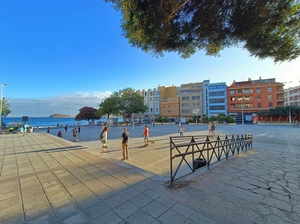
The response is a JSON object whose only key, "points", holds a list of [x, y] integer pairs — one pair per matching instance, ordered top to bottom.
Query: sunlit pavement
{"points": [[45, 179]]}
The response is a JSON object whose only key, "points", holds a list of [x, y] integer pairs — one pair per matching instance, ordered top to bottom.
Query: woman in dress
{"points": [[104, 138]]}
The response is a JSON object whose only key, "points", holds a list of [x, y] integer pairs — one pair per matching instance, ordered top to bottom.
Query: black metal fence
{"points": [[188, 153]]}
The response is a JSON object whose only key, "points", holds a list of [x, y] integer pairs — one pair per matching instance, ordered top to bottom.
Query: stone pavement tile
{"points": [[129, 193], [152, 194], [284, 198], [115, 200], [141, 200], [165, 201], [277, 204], [126, 209], [155, 209], [11, 210], [65, 210], [96, 210], [182, 210], [283, 214], [109, 217], [140, 217], [171, 217], [45, 218], [78, 218], [201, 219], [274, 219]]}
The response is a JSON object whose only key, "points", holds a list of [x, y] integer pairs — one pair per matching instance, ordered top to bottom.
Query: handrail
{"points": [[206, 149]]}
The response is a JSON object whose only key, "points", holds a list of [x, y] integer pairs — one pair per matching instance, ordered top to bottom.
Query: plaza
{"points": [[46, 179]]}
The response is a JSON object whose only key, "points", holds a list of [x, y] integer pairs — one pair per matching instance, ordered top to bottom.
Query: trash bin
{"points": [[198, 163]]}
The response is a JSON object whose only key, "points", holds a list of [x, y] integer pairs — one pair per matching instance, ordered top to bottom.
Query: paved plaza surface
{"points": [[46, 179]]}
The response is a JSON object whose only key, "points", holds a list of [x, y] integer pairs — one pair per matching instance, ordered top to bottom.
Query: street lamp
{"points": [[288, 101], [1, 102], [242, 111]]}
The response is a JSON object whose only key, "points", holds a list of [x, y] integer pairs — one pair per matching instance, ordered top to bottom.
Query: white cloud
{"points": [[62, 104]]}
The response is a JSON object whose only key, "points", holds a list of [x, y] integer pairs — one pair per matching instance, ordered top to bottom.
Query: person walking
{"points": [[181, 130], [146, 135], [103, 138], [124, 141]]}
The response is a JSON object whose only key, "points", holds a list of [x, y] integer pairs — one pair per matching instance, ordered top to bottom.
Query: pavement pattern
{"points": [[46, 179]]}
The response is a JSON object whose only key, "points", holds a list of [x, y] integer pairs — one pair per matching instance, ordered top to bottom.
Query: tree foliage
{"points": [[266, 28], [124, 103], [109, 106], [5, 108], [87, 113]]}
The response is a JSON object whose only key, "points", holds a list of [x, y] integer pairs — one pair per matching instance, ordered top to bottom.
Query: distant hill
{"points": [[60, 115]]}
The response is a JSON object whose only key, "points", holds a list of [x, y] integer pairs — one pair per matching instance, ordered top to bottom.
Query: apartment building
{"points": [[292, 96], [214, 98], [245, 98], [191, 100], [152, 101], [169, 102]]}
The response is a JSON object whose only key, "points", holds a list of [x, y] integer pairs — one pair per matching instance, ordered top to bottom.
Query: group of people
{"points": [[124, 140]]}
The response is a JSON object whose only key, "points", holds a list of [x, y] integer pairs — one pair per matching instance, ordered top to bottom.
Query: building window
{"points": [[269, 89], [258, 90], [239, 91], [248, 91], [231, 92], [195, 97], [259, 97], [269, 97], [156, 98], [186, 98], [175, 99], [232, 99], [270, 104], [258, 105], [232, 106], [156, 110], [174, 111], [185, 111]]}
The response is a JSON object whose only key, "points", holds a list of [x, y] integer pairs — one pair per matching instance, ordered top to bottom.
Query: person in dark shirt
{"points": [[124, 141]]}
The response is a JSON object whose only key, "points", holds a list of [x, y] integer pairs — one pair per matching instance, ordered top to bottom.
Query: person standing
{"points": [[66, 128], [209, 128], [79, 129], [213, 129], [48, 130], [181, 130], [74, 132], [146, 135], [103, 137], [124, 141]]}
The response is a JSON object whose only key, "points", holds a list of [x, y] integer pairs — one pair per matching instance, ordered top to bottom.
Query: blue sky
{"points": [[58, 56]]}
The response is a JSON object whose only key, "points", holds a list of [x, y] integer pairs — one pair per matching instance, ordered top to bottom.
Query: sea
{"points": [[43, 122]]}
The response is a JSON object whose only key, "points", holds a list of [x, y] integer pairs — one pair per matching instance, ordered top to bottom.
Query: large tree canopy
{"points": [[266, 28], [125, 102], [87, 113]]}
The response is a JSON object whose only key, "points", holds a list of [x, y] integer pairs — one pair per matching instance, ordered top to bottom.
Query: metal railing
{"points": [[193, 152]]}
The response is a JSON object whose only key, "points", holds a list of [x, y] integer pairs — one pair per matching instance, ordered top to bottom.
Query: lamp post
{"points": [[288, 101], [1, 102], [243, 111]]}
